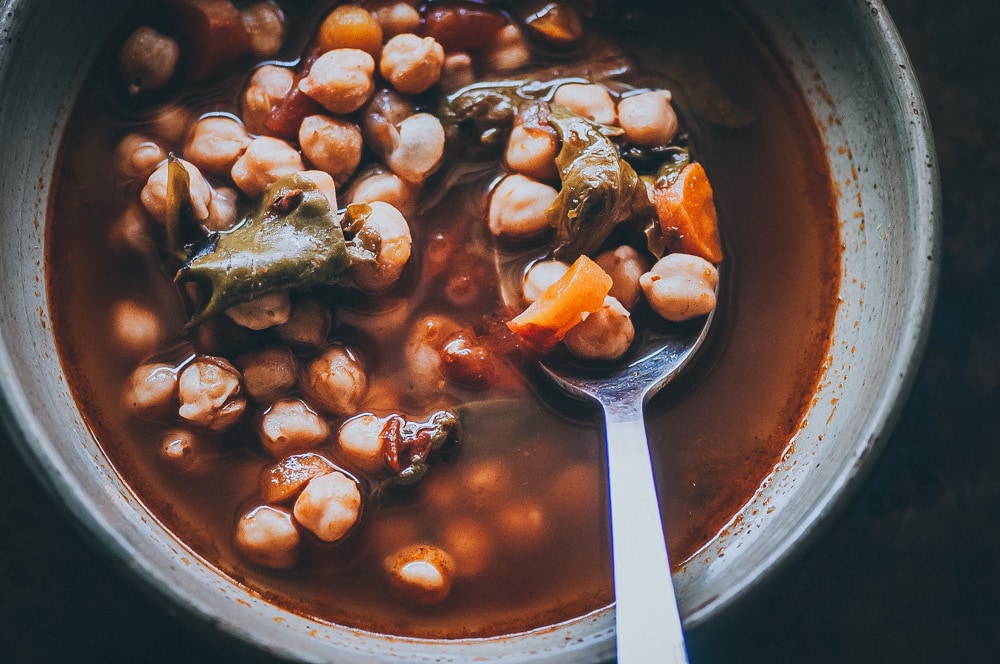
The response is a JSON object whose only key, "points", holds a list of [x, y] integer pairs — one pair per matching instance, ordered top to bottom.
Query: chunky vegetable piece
{"points": [[685, 207], [577, 294]]}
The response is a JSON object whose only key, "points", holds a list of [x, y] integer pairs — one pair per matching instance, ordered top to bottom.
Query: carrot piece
{"points": [[686, 210], [577, 294]]}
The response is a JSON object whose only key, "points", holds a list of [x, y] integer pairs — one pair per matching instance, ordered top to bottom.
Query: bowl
{"points": [[855, 76]]}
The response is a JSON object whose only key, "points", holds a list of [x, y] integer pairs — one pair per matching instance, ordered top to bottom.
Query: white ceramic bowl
{"points": [[847, 58]]}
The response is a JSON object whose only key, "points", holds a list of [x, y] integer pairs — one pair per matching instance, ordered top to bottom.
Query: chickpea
{"points": [[396, 18], [265, 25], [350, 26], [509, 50], [148, 60], [412, 64], [457, 72], [341, 80], [268, 84], [588, 100], [380, 117], [648, 119], [171, 122], [215, 143], [533, 144], [332, 145], [417, 148], [137, 156], [264, 161], [324, 182], [380, 185], [154, 194], [518, 207], [223, 211], [385, 231], [131, 232], [625, 265], [540, 276], [681, 286], [262, 312], [309, 323], [136, 328], [605, 334], [268, 373], [336, 380], [152, 391], [210, 393], [290, 425], [360, 440], [183, 451], [288, 477], [485, 482], [577, 492], [329, 506], [522, 524], [268, 536], [470, 545], [421, 573]]}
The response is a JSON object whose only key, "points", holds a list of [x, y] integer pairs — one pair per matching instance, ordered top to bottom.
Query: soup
{"points": [[482, 511]]}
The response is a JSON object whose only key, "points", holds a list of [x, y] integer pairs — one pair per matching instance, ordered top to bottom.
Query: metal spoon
{"points": [[647, 621]]}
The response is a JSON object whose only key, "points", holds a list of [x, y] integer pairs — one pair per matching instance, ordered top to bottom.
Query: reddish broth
{"points": [[532, 487]]}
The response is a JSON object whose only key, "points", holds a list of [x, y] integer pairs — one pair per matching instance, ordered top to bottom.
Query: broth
{"points": [[530, 484]]}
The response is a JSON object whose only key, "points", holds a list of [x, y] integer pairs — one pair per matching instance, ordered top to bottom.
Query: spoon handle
{"points": [[648, 623]]}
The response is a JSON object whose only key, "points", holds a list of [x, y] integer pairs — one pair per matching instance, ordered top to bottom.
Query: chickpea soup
{"points": [[303, 259]]}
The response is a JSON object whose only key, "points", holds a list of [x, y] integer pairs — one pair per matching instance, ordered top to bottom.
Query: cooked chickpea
{"points": [[396, 18], [265, 25], [350, 26], [509, 50], [148, 60], [412, 64], [457, 72], [341, 80], [268, 84], [588, 100], [380, 117], [648, 119], [171, 122], [215, 143], [533, 144], [332, 145], [417, 147], [137, 156], [264, 161], [324, 182], [379, 185], [154, 194], [518, 207], [223, 211], [131, 231], [385, 231], [625, 265], [540, 276], [681, 286], [262, 312], [309, 323], [136, 328], [605, 334], [423, 352], [268, 373], [336, 380], [152, 390], [210, 393], [290, 425], [360, 440], [183, 451], [285, 479], [485, 482], [577, 491], [329, 506], [522, 524], [267, 535], [470, 544], [421, 573]]}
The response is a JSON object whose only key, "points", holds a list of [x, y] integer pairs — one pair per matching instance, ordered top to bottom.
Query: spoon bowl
{"points": [[647, 621]]}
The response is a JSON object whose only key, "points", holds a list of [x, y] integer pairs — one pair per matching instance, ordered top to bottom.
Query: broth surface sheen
{"points": [[532, 482]]}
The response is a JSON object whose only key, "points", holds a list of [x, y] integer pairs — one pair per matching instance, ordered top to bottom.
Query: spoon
{"points": [[647, 620]]}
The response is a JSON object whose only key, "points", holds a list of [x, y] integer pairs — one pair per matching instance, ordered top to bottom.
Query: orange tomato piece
{"points": [[687, 215], [577, 294]]}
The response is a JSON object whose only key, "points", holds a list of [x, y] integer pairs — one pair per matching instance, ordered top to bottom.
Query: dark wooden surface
{"points": [[909, 572]]}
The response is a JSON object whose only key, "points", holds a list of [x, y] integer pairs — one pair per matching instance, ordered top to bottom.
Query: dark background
{"points": [[909, 572]]}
